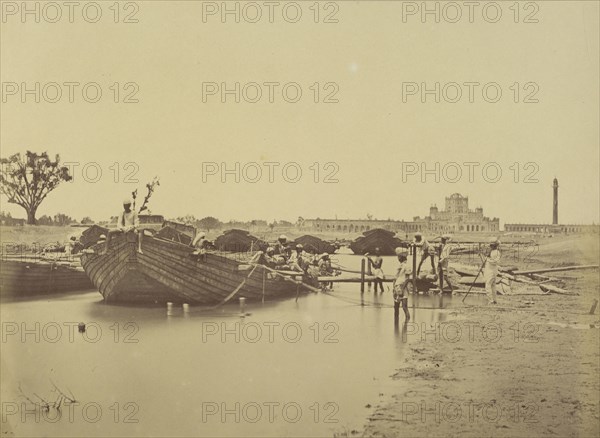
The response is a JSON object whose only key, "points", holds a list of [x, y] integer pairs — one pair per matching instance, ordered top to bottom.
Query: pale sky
{"points": [[368, 134]]}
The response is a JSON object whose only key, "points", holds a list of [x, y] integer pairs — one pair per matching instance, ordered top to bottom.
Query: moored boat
{"points": [[167, 270], [27, 276]]}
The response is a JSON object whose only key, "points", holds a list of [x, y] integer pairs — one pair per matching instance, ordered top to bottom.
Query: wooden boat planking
{"points": [[169, 271]]}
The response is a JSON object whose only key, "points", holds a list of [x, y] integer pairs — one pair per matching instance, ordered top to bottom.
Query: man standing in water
{"points": [[444, 259], [376, 262], [491, 270], [401, 282]]}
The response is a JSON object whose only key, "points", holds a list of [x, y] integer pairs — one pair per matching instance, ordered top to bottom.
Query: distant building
{"points": [[456, 217], [12, 222], [349, 225], [555, 228]]}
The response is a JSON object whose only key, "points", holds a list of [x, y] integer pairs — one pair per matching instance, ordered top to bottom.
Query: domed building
{"points": [[456, 217]]}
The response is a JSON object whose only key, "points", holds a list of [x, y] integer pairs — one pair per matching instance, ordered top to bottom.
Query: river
{"points": [[312, 367]]}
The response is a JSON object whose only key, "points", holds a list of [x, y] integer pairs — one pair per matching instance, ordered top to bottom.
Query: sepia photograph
{"points": [[310, 218]]}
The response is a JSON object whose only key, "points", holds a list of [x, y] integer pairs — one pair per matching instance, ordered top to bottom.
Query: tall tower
{"points": [[555, 203]]}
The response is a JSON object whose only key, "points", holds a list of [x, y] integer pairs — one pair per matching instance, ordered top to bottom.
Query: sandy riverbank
{"points": [[528, 367]]}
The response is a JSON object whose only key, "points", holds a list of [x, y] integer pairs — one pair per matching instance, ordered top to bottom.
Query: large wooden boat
{"points": [[167, 270], [26, 276]]}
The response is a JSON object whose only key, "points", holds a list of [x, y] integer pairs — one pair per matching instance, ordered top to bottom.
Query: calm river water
{"points": [[314, 367]]}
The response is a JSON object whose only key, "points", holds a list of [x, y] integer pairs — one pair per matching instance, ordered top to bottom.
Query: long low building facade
{"points": [[456, 217], [551, 229]]}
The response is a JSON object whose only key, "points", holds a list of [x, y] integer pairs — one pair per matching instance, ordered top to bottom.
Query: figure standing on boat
{"points": [[127, 222]]}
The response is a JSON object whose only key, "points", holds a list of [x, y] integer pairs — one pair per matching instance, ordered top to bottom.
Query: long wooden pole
{"points": [[414, 268], [564, 268], [362, 275], [288, 278], [263, 285], [471, 287]]}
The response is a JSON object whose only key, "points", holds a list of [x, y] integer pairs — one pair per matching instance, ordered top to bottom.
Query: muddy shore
{"points": [[526, 367]]}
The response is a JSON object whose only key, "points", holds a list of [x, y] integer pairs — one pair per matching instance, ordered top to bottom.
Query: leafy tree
{"points": [[27, 180], [187, 219], [45, 220], [62, 220], [87, 221], [208, 223]]}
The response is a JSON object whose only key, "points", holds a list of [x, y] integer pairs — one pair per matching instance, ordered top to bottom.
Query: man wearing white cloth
{"points": [[491, 270]]}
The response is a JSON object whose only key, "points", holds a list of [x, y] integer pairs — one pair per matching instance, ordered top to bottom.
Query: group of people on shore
{"points": [[423, 250]]}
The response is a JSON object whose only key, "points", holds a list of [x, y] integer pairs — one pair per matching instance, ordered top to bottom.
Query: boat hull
{"points": [[169, 271], [35, 277]]}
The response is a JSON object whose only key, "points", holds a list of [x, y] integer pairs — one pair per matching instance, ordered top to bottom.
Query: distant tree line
{"points": [[59, 220], [209, 223]]}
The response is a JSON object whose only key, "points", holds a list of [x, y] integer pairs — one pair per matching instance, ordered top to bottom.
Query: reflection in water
{"points": [[206, 373]]}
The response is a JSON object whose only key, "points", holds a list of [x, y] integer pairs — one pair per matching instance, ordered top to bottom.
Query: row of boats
{"points": [[162, 267]]}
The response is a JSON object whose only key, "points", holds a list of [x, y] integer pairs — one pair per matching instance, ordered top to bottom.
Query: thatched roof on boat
{"points": [[151, 221], [190, 230], [170, 233], [92, 234], [236, 240], [385, 240], [318, 245]]}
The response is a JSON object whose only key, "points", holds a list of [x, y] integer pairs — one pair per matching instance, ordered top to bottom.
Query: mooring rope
{"points": [[287, 277], [233, 293]]}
